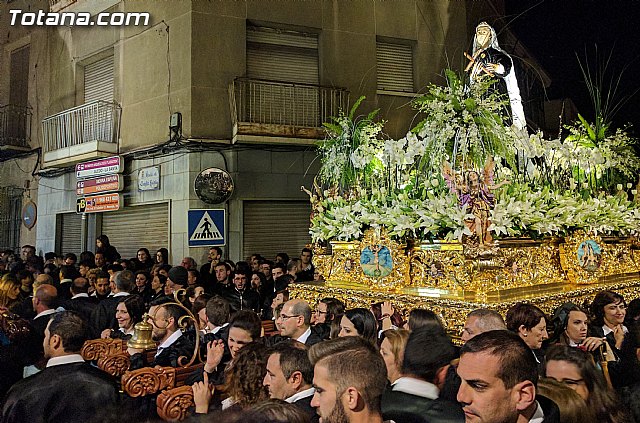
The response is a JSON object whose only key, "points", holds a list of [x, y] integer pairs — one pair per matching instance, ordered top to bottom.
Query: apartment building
{"points": [[252, 82]]}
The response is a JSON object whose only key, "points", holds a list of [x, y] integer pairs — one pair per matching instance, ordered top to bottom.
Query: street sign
{"points": [[99, 167], [99, 185], [99, 203], [206, 227]]}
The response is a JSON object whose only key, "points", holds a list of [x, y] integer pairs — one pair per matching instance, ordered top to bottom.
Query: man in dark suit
{"points": [[80, 301], [44, 304], [104, 315], [296, 322], [172, 342], [290, 376], [60, 392], [413, 398]]}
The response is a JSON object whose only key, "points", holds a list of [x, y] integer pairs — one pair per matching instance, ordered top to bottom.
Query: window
{"points": [[282, 67], [395, 67], [98, 80], [10, 217]]}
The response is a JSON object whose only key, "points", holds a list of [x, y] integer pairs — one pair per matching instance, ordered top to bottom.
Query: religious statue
{"points": [[489, 59], [475, 195]]}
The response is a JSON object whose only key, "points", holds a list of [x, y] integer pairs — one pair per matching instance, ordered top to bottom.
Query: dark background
{"points": [[556, 30]]}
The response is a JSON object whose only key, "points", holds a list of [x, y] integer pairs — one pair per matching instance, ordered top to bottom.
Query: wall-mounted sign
{"points": [[100, 167], [149, 178], [97, 185], [99, 203], [29, 215], [206, 227]]}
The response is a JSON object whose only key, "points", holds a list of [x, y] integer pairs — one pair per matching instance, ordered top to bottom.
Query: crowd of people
{"points": [[325, 362]]}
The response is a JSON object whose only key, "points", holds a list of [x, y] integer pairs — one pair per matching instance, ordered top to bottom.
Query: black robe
{"points": [[66, 393]]}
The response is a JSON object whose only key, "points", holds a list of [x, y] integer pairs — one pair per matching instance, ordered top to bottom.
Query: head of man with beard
{"points": [[164, 319], [349, 377]]}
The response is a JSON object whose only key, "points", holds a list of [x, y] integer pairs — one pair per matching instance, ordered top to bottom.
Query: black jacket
{"points": [[247, 299], [168, 357], [67, 393], [305, 405], [406, 408]]}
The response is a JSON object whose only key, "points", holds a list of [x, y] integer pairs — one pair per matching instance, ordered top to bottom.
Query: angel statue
{"points": [[489, 59], [475, 195]]}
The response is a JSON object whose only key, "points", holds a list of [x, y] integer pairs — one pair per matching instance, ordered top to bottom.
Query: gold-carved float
{"points": [[471, 210], [438, 275]]}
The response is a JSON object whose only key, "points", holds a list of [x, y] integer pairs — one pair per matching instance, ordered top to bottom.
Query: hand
{"points": [[387, 308], [105, 334], [618, 334], [592, 344], [215, 351], [202, 395]]}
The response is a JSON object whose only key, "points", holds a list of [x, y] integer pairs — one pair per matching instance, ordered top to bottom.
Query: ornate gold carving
{"points": [[439, 276], [148, 380], [173, 404]]}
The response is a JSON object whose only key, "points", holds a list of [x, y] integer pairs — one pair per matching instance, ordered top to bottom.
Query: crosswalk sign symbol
{"points": [[206, 227]]}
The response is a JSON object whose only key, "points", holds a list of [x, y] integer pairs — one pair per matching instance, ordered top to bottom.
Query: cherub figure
{"points": [[475, 194]]}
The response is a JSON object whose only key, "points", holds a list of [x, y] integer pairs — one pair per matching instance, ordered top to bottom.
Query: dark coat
{"points": [[247, 299], [82, 305], [104, 316], [168, 356], [88, 393], [305, 405], [406, 408]]}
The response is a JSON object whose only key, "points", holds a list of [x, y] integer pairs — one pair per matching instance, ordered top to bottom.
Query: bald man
{"points": [[44, 304], [295, 323]]}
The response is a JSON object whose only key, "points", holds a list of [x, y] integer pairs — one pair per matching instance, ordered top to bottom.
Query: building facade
{"points": [[252, 81]]}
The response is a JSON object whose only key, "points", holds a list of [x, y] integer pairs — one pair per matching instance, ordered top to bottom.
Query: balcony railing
{"points": [[281, 104], [98, 122], [15, 126]]}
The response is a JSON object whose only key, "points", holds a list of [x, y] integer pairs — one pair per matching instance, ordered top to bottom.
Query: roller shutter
{"points": [[289, 58], [395, 67], [98, 80], [136, 227], [272, 227], [69, 233]]}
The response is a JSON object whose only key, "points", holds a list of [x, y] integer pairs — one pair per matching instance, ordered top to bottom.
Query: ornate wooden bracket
{"points": [[148, 380], [173, 404]]}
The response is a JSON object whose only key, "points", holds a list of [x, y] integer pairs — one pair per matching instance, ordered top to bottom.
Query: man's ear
{"points": [[55, 342], [441, 375], [296, 379], [525, 394], [352, 400]]}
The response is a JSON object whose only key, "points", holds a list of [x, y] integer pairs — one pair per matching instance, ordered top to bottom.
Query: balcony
{"points": [[92, 6], [280, 112], [15, 128], [85, 132]]}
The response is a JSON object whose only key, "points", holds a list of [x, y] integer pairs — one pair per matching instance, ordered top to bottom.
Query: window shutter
{"points": [[395, 67]]}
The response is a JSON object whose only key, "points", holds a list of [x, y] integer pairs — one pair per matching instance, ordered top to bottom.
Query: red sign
{"points": [[100, 167], [98, 185], [99, 203]]}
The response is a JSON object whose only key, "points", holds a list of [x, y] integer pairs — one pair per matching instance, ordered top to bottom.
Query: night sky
{"points": [[556, 30]]}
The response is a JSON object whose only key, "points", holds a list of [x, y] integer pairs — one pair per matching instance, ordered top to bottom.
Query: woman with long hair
{"points": [[108, 251], [162, 256], [143, 260], [157, 287], [9, 292], [327, 316], [359, 322], [570, 324], [576, 369]]}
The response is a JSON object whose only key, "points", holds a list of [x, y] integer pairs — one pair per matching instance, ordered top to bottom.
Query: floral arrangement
{"points": [[554, 186]]}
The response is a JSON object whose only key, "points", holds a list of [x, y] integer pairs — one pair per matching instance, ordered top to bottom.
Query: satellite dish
{"points": [[213, 185]]}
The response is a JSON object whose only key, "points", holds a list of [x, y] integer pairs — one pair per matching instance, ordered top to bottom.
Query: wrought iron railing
{"points": [[282, 103], [95, 121], [15, 125]]}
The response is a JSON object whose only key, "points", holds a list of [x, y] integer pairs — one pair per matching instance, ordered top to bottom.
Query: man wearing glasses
{"points": [[295, 319]]}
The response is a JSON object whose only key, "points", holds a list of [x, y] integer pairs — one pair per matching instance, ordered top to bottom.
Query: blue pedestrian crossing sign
{"points": [[206, 227]]}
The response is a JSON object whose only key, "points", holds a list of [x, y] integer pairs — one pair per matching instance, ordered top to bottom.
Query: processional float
{"points": [[470, 210]]}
